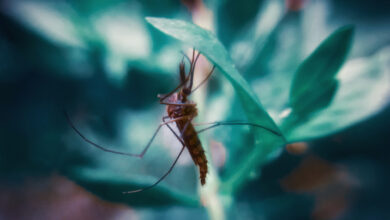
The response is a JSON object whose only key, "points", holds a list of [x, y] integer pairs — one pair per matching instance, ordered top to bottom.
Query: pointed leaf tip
{"points": [[314, 83]]}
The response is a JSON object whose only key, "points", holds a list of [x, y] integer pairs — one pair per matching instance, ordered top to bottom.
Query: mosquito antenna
{"points": [[192, 60], [192, 63], [182, 71], [204, 80], [162, 97]]}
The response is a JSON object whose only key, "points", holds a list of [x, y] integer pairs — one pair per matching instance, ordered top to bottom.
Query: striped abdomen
{"points": [[195, 148]]}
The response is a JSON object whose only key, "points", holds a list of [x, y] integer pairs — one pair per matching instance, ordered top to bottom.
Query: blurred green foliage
{"points": [[104, 63], [314, 83]]}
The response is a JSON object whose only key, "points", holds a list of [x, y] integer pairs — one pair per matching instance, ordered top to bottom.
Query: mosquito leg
{"points": [[185, 55], [193, 56], [192, 70], [208, 76], [163, 97], [216, 124], [185, 126], [155, 133], [119, 152], [169, 170], [163, 177]]}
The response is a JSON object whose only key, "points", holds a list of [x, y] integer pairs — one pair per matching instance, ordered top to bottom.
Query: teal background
{"points": [[105, 62]]}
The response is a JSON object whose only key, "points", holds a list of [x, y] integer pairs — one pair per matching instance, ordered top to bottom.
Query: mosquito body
{"points": [[181, 111], [186, 128]]}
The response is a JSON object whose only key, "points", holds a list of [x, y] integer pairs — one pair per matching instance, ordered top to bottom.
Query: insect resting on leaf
{"points": [[182, 111]]}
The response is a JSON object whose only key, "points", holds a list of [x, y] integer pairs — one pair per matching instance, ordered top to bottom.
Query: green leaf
{"points": [[208, 44], [314, 83], [364, 90], [110, 186]]}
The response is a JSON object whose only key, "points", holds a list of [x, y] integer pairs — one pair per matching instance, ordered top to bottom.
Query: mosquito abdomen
{"points": [[195, 148]]}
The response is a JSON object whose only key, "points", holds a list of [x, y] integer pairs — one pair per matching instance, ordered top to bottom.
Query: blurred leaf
{"points": [[90, 7], [234, 16], [51, 21], [116, 35], [253, 50], [273, 78], [314, 83], [364, 90], [266, 142], [110, 186], [277, 207]]}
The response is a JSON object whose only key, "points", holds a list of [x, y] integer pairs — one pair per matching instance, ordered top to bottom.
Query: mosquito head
{"points": [[186, 91], [183, 93]]}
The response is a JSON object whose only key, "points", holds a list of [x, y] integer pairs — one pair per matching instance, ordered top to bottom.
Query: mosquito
{"points": [[182, 111]]}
